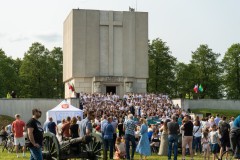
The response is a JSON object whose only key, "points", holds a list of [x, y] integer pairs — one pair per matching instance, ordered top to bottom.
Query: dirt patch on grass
{"points": [[5, 120]]}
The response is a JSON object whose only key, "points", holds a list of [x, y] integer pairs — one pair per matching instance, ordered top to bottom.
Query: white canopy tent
{"points": [[63, 110]]}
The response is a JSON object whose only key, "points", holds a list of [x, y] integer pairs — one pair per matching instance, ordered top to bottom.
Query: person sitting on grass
{"points": [[120, 149]]}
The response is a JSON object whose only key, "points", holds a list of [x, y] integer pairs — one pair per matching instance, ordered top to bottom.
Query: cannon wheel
{"points": [[51, 147], [93, 149]]}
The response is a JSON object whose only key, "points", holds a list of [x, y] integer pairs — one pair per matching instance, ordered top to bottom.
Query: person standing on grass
{"points": [[114, 124], [86, 125], [51, 126], [18, 127], [129, 127], [65, 128], [224, 129], [173, 130], [108, 132], [35, 134], [197, 135], [234, 137], [187, 139], [214, 141], [205, 145], [143, 146], [163, 150]]}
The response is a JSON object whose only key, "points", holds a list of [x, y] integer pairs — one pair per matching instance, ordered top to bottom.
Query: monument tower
{"points": [[105, 51]]}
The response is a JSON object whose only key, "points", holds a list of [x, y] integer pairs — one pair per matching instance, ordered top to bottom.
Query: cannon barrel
{"points": [[85, 139]]}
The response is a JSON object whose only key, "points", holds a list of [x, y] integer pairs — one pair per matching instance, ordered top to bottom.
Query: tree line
{"points": [[39, 73], [219, 79]]}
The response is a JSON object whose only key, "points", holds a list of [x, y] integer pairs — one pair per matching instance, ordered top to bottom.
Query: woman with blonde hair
{"points": [[143, 146]]}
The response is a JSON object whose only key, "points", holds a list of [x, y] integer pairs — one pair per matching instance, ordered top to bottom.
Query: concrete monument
{"points": [[105, 51]]}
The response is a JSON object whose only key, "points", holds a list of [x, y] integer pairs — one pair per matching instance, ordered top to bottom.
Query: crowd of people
{"points": [[143, 123]]}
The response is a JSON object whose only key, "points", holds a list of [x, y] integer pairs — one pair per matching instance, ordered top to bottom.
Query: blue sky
{"points": [[182, 24]]}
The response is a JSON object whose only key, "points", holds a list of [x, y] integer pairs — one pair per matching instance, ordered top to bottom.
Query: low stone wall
{"points": [[208, 103], [24, 107]]}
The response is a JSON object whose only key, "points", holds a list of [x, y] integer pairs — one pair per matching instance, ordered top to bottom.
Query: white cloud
{"points": [[49, 37], [19, 39]]}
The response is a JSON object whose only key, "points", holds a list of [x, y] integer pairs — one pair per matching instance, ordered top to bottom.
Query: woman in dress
{"points": [[120, 127], [143, 146], [163, 150]]}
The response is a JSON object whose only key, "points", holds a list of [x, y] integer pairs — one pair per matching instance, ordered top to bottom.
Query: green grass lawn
{"points": [[5, 155], [12, 156]]}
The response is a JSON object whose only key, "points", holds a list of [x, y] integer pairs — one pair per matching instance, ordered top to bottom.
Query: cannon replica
{"points": [[84, 148]]}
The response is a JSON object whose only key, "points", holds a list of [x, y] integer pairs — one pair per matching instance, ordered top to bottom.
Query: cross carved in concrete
{"points": [[110, 23]]}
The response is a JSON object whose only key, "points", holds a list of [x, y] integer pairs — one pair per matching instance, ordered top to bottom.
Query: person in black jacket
{"points": [[13, 94]]}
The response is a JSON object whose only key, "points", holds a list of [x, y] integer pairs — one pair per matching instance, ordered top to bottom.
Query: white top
{"points": [[231, 124], [197, 132], [213, 137], [121, 147]]}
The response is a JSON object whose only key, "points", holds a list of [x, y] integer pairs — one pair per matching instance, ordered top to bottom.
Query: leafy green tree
{"points": [[56, 63], [231, 65], [161, 68], [35, 72], [41, 72], [208, 72], [8, 75], [185, 79]]}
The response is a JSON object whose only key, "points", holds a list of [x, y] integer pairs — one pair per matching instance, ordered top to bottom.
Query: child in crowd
{"points": [[214, 140], [155, 142], [205, 145], [120, 149]]}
